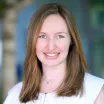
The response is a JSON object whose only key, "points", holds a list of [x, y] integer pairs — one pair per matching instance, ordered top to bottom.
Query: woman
{"points": [[55, 70]]}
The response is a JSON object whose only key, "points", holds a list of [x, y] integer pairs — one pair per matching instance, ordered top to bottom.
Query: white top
{"points": [[92, 87]]}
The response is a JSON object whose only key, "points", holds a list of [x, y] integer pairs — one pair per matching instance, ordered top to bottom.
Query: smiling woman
{"points": [[54, 43], [55, 70]]}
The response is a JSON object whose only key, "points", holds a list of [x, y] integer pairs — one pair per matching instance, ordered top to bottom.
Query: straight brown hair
{"points": [[76, 65]]}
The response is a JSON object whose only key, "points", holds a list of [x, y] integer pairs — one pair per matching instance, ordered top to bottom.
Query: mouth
{"points": [[51, 55]]}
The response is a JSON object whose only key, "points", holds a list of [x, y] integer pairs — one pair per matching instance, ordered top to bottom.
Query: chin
{"points": [[52, 64]]}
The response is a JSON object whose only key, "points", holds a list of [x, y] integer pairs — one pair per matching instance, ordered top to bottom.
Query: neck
{"points": [[54, 72], [52, 77]]}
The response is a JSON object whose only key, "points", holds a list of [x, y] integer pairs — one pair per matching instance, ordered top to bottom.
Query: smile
{"points": [[51, 55]]}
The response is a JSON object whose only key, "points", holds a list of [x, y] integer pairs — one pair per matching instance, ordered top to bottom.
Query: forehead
{"points": [[54, 23]]}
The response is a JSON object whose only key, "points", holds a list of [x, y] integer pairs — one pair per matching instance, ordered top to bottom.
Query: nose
{"points": [[51, 44]]}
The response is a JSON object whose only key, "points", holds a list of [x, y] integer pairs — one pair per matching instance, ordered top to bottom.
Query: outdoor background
{"points": [[14, 19]]}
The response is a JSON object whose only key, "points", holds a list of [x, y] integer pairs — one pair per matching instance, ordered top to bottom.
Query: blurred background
{"points": [[14, 19]]}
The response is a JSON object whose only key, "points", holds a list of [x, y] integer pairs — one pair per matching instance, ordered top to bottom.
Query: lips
{"points": [[51, 55]]}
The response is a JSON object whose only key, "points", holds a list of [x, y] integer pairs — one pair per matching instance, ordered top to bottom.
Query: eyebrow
{"points": [[56, 33], [62, 33]]}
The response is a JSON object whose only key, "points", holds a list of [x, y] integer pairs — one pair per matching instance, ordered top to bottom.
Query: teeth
{"points": [[52, 54]]}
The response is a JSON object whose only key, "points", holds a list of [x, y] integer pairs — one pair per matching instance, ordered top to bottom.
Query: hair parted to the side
{"points": [[76, 64]]}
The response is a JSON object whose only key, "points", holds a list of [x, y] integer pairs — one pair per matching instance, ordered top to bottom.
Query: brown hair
{"points": [[76, 64]]}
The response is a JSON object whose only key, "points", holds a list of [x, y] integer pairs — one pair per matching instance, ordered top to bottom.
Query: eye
{"points": [[43, 36], [60, 36]]}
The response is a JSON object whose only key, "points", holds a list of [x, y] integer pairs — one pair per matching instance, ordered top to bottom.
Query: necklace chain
{"points": [[47, 82]]}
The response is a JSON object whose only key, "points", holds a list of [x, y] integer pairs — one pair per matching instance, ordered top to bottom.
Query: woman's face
{"points": [[53, 41]]}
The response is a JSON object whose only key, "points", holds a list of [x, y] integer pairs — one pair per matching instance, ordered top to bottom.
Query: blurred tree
{"points": [[3, 7], [9, 10]]}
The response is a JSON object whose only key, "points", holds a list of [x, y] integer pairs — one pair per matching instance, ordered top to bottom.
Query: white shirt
{"points": [[92, 87]]}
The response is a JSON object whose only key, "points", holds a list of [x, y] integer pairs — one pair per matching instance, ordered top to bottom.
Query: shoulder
{"points": [[89, 78], [91, 81], [92, 87], [16, 88], [13, 94], [100, 97]]}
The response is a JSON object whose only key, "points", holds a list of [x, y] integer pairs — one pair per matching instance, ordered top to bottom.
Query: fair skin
{"points": [[52, 49], [100, 98]]}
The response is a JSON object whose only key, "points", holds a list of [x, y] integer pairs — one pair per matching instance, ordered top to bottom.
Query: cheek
{"points": [[40, 45], [64, 46]]}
